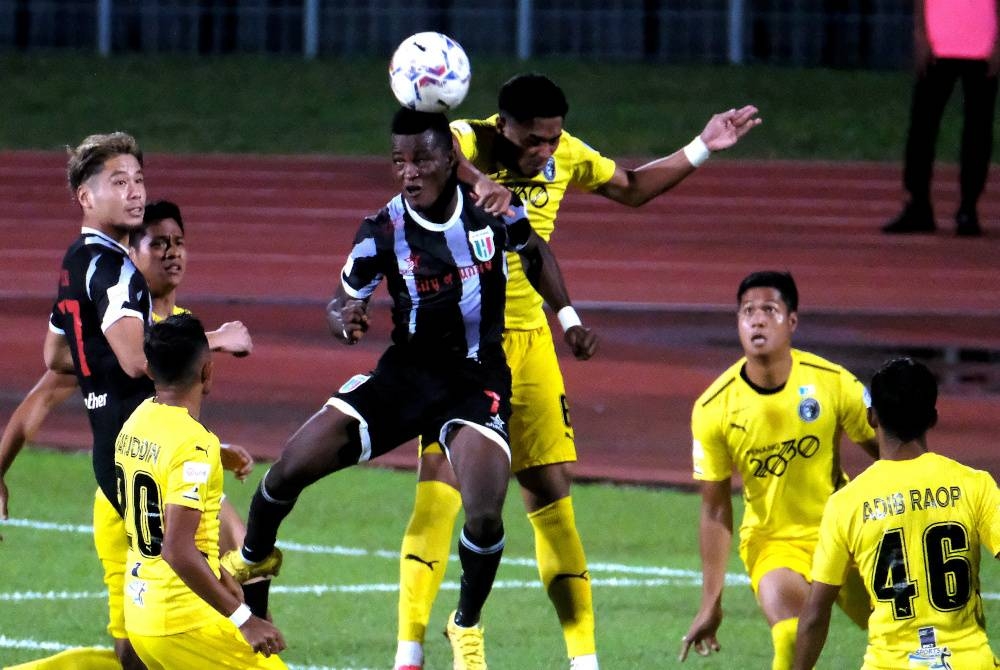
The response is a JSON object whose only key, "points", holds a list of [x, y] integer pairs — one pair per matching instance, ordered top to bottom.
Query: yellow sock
{"points": [[424, 555], [562, 567], [783, 637], [81, 658]]}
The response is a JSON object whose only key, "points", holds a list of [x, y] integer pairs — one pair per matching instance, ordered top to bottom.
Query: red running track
{"points": [[267, 237]]}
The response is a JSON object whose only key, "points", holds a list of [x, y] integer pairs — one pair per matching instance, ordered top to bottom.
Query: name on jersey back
{"points": [[914, 500]]}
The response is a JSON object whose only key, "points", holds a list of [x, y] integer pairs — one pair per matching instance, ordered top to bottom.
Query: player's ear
{"points": [[84, 197], [793, 320], [206, 375], [872, 418]]}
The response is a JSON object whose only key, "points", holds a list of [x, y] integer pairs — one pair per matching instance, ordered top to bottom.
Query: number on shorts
{"points": [[564, 403]]}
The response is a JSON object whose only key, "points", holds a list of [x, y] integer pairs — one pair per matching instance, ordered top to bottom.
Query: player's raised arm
{"points": [[635, 187]]}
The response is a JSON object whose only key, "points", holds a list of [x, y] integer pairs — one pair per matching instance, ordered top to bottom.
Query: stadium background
{"points": [[268, 232]]}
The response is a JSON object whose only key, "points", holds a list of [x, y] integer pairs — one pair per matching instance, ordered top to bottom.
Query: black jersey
{"points": [[447, 280], [98, 285]]}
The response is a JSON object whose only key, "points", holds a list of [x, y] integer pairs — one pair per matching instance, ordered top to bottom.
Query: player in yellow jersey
{"points": [[524, 148], [158, 250], [775, 417], [913, 522], [181, 609]]}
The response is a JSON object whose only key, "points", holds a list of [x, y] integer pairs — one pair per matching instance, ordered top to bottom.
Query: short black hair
{"points": [[531, 96], [408, 121], [156, 211], [782, 282], [174, 348], [904, 397]]}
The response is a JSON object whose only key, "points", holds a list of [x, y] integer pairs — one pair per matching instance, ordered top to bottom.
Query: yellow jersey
{"points": [[573, 164], [177, 310], [784, 443], [165, 457], [914, 528]]}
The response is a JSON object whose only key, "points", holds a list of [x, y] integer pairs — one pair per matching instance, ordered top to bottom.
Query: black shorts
{"points": [[411, 393]]}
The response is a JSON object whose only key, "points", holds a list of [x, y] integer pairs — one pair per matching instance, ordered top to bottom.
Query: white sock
{"points": [[409, 653], [585, 662]]}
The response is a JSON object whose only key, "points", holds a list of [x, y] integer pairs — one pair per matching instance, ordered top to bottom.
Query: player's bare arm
{"points": [[636, 187], [488, 194], [542, 270], [347, 317], [125, 337], [231, 337], [56, 353], [52, 389], [715, 536], [181, 553], [814, 623]]}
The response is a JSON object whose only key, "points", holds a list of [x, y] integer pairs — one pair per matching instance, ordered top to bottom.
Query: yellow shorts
{"points": [[540, 428], [111, 542], [761, 556], [214, 646]]}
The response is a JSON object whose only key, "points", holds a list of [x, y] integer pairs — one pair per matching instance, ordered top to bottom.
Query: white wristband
{"points": [[696, 151], [568, 318], [241, 615]]}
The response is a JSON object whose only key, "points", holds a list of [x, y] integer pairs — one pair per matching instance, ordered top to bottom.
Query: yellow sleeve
{"points": [[466, 136], [590, 168], [854, 401], [709, 451], [190, 472], [989, 532], [831, 560]]}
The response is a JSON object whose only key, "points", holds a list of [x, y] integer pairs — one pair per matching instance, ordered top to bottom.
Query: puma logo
{"points": [[738, 426], [197, 448], [414, 557], [585, 576]]}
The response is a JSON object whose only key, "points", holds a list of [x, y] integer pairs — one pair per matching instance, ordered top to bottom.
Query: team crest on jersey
{"points": [[549, 171], [483, 247], [809, 409]]}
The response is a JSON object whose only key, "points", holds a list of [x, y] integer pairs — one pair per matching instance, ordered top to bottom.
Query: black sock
{"points": [[265, 515], [479, 569], [255, 595]]}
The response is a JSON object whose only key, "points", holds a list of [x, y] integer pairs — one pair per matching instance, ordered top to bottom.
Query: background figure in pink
{"points": [[951, 41]]}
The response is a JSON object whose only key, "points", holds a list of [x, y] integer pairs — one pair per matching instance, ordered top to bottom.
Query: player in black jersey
{"points": [[442, 258], [96, 329]]}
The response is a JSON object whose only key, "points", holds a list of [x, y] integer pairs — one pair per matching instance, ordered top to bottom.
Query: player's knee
{"points": [[484, 529]]}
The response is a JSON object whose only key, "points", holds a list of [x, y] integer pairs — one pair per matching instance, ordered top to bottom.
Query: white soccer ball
{"points": [[429, 72]]}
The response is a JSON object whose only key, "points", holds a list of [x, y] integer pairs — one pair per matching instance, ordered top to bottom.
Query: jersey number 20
{"points": [[144, 499]]}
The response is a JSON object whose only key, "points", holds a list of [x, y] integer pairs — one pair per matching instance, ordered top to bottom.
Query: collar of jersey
{"points": [[430, 225], [94, 231]]}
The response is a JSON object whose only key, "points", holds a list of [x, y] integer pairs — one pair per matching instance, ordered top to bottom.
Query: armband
{"points": [[696, 151], [568, 318], [241, 615]]}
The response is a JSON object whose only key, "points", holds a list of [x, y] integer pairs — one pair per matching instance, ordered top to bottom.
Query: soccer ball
{"points": [[429, 72]]}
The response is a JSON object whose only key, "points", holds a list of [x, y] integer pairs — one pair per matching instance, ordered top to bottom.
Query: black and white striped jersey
{"points": [[447, 280], [98, 284]]}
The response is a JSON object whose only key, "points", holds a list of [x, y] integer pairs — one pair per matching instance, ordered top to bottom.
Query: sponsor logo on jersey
{"points": [[549, 171], [482, 243], [353, 383], [806, 390], [93, 401], [809, 409], [195, 472], [136, 589]]}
